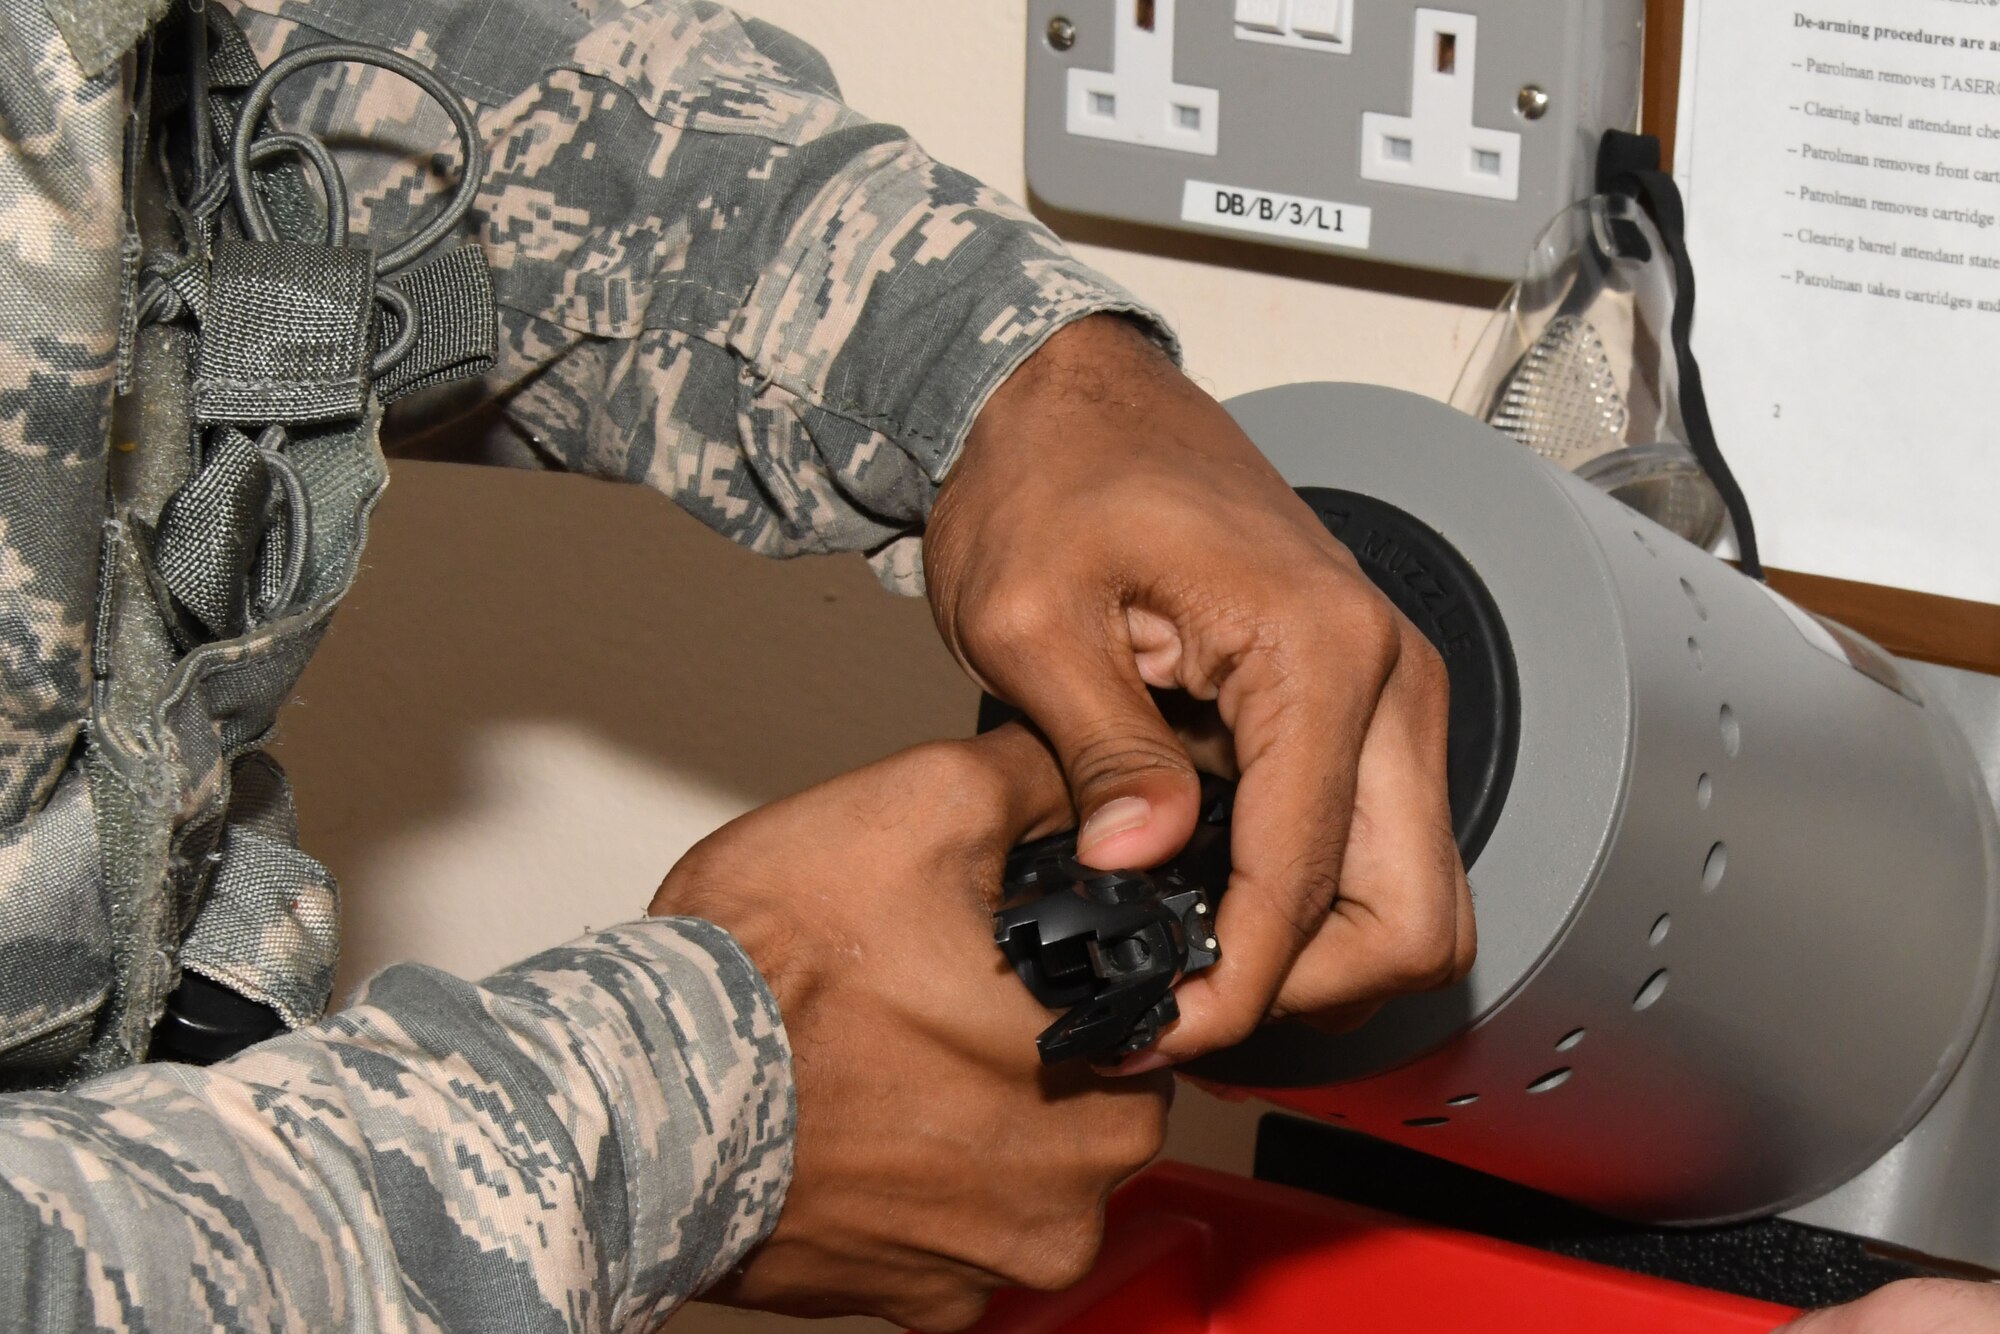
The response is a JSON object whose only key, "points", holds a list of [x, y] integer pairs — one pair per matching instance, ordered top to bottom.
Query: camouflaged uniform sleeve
{"points": [[715, 278], [580, 1142]]}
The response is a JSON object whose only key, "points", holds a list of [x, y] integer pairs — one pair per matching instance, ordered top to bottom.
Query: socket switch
{"points": [[1311, 25]]}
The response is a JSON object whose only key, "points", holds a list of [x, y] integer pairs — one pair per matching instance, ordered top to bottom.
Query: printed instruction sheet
{"points": [[1842, 164]]}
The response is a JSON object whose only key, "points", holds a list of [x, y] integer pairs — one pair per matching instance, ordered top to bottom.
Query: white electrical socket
{"points": [[1310, 25], [1138, 102], [1436, 146], [1460, 169]]}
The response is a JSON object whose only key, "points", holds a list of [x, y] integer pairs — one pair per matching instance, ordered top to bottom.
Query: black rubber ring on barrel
{"points": [[1443, 596]]}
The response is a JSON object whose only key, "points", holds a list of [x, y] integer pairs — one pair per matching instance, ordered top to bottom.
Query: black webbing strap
{"points": [[1629, 164], [456, 323], [210, 531]]}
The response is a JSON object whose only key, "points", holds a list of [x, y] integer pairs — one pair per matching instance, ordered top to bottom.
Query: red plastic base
{"points": [[1189, 1251]]}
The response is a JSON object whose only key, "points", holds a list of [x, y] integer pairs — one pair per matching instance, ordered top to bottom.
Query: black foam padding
{"points": [[1771, 1260]]}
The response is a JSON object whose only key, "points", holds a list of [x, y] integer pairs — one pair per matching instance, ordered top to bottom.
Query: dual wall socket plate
{"points": [[1442, 136]]}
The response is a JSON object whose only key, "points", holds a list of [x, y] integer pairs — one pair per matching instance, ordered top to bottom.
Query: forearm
{"points": [[830, 409], [582, 1141]]}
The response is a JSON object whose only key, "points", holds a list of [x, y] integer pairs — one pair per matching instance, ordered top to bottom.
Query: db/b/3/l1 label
{"points": [[1291, 217]]}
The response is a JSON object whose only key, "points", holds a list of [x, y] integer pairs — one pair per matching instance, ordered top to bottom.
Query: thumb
{"points": [[1136, 793]]}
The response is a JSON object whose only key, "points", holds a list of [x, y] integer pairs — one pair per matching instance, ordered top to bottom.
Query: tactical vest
{"points": [[153, 897]]}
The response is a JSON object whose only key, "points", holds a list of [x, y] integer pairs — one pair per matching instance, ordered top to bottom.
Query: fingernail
{"points": [[1112, 819], [1143, 1063]]}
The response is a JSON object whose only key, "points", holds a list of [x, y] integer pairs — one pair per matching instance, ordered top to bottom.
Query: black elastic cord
{"points": [[273, 142], [1629, 164], [250, 205]]}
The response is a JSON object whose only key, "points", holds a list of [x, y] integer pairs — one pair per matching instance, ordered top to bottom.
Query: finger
{"points": [[1300, 724], [1134, 787], [1030, 795], [960, 807], [1403, 921], [1341, 1021], [1912, 1306]]}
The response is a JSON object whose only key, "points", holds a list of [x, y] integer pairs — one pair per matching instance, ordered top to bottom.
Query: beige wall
{"points": [[544, 689]]}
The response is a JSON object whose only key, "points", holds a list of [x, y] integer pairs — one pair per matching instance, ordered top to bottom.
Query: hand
{"points": [[1109, 528], [936, 1159], [1915, 1306]]}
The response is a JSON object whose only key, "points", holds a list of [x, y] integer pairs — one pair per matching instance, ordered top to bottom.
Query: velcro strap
{"points": [[98, 32], [232, 65], [452, 296], [288, 333], [210, 531], [270, 927]]}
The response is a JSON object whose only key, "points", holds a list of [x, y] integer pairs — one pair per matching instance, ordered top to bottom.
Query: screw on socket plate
{"points": [[1062, 33], [1532, 103]]}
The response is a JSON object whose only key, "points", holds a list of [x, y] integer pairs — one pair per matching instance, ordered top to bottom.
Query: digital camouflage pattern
{"points": [[713, 278], [579, 1142]]}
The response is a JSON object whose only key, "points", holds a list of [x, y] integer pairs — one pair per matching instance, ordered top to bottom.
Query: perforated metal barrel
{"points": [[1737, 914]]}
